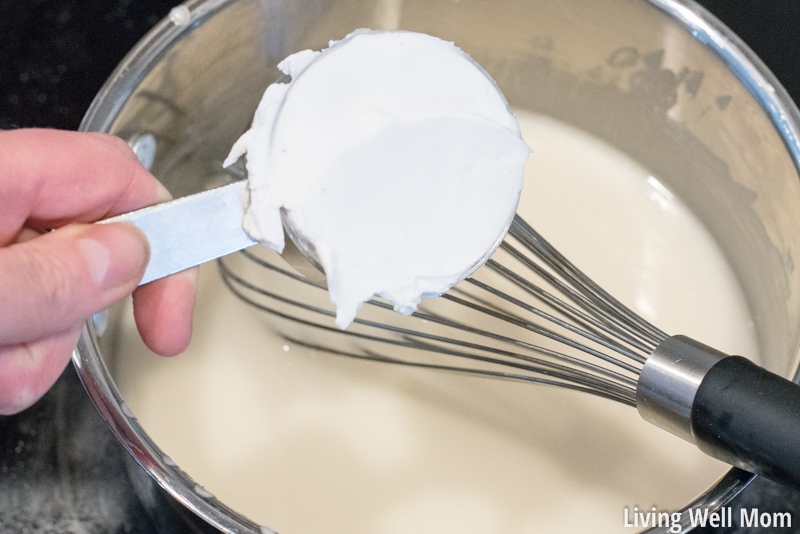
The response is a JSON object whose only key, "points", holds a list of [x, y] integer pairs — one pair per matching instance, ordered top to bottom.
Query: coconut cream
{"points": [[392, 158]]}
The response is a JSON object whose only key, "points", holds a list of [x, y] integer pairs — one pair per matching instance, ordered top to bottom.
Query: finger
{"points": [[51, 177], [57, 280], [163, 312], [28, 370]]}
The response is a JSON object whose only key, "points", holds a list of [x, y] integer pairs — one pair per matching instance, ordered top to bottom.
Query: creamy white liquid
{"points": [[308, 443]]}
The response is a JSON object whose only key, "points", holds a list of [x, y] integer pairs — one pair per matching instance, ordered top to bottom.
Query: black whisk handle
{"points": [[729, 407], [749, 417]]}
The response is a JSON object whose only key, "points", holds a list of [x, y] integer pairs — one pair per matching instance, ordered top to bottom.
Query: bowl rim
{"points": [[749, 69]]}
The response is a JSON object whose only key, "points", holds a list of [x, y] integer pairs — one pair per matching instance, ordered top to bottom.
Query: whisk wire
{"points": [[608, 306], [586, 320], [599, 324], [545, 332], [412, 336], [560, 375], [617, 394]]}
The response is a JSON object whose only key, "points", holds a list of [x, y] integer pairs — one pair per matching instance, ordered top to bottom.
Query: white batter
{"points": [[307, 443]]}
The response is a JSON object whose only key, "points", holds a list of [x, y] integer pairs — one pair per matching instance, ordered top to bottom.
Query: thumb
{"points": [[57, 280]]}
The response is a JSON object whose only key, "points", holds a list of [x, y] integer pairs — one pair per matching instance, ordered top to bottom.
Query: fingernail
{"points": [[162, 194], [116, 254]]}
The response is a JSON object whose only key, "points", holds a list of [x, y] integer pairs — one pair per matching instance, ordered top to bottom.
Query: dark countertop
{"points": [[56, 54], [60, 468]]}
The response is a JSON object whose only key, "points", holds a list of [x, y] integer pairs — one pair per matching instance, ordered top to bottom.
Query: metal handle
{"points": [[191, 230], [729, 407]]}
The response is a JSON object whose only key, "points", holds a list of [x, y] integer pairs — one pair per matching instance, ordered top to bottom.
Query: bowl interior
{"points": [[628, 72]]}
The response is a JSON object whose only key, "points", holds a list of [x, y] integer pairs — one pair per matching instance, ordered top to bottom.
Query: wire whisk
{"points": [[530, 315], [584, 340]]}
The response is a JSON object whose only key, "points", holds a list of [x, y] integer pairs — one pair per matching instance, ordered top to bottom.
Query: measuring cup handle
{"points": [[191, 230]]}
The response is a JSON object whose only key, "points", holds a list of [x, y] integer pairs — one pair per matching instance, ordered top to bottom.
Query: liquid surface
{"points": [[308, 443]]}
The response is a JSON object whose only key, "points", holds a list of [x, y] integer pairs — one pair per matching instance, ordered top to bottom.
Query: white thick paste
{"points": [[393, 157]]}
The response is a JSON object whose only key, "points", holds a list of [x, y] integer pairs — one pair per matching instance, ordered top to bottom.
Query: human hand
{"points": [[52, 281]]}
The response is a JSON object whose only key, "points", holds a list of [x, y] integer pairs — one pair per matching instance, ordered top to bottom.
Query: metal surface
{"points": [[145, 146], [191, 230], [669, 381]]}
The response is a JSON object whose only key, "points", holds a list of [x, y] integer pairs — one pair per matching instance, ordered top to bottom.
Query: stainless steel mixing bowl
{"points": [[662, 80]]}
